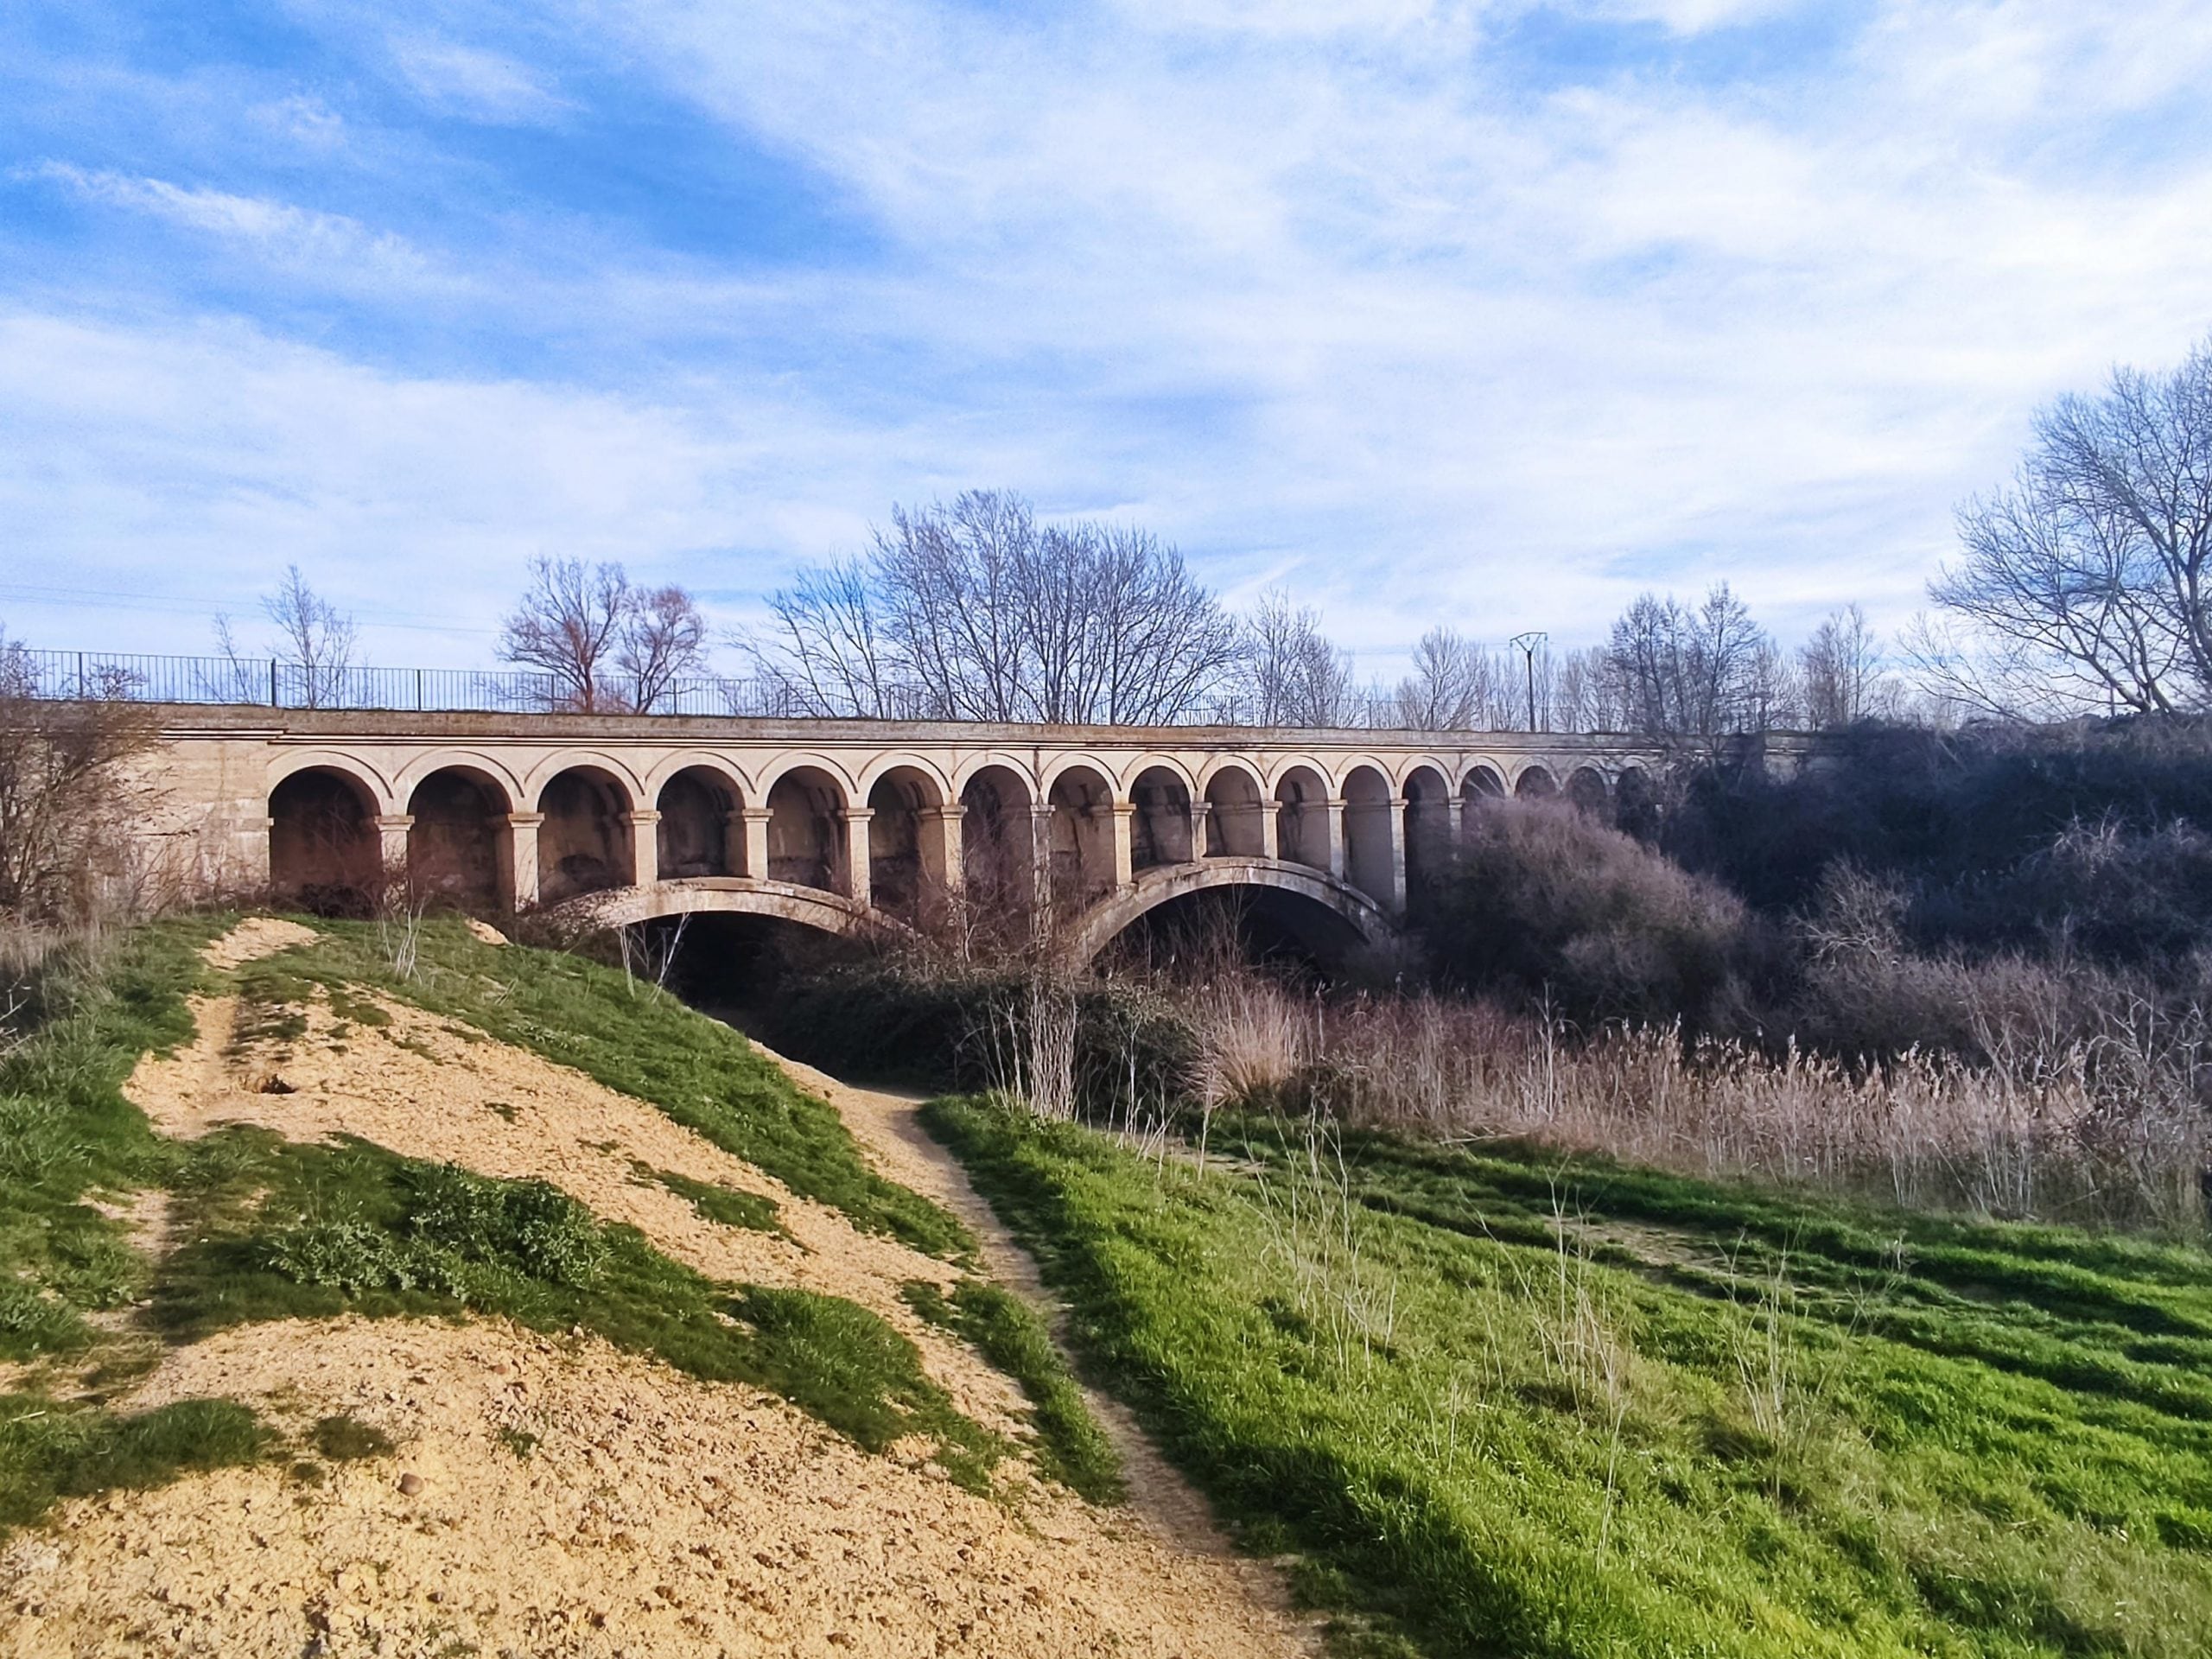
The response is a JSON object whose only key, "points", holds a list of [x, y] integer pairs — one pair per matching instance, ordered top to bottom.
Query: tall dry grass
{"points": [[2107, 1129]]}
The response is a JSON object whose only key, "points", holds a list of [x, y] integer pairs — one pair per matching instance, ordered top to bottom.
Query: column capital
{"points": [[953, 812], [755, 814], [854, 814], [642, 815], [526, 820], [395, 821]]}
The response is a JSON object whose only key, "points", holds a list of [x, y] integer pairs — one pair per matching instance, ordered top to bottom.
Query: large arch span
{"points": [[815, 907], [1097, 925], [1091, 930]]}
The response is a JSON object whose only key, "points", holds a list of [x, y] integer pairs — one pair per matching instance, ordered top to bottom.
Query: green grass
{"points": [[633, 1038], [67, 1135], [726, 1205], [283, 1230], [1008, 1332], [1500, 1404], [50, 1450]]}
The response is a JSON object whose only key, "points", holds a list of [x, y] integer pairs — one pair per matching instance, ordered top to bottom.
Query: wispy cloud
{"points": [[469, 80], [276, 231], [1496, 311]]}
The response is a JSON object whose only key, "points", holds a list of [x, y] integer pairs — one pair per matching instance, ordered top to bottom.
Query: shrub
{"points": [[1544, 902], [942, 1024]]}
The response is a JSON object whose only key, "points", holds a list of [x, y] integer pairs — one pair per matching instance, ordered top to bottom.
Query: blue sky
{"points": [[1493, 313]]}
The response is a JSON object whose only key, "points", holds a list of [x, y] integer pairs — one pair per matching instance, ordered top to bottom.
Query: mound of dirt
{"points": [[562, 1498], [569, 1499]]}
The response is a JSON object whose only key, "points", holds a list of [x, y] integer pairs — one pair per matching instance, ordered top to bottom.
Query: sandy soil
{"points": [[564, 1498], [652, 1515]]}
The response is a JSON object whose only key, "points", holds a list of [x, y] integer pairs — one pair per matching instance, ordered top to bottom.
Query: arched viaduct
{"points": [[841, 824]]}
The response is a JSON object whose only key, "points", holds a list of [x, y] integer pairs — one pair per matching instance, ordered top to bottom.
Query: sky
{"points": [[1494, 314]]}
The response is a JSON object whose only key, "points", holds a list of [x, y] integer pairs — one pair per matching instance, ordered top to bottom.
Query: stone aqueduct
{"points": [[842, 824]]}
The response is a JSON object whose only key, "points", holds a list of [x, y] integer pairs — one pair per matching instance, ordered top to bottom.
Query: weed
{"points": [[645, 1044], [754, 1211], [1008, 1332], [1622, 1411], [50, 1450]]}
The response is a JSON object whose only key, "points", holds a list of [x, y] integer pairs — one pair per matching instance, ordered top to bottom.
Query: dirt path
{"points": [[888, 1123], [555, 1496]]}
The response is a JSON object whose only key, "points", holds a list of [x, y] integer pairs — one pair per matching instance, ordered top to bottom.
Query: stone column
{"points": [[1394, 816], [1121, 817], [1201, 817], [755, 823], [1455, 823], [1270, 831], [1332, 833], [733, 841], [644, 846], [391, 848], [942, 849], [518, 861], [1040, 862], [853, 863]]}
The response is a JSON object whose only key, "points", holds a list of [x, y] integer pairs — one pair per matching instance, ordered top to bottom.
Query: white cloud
{"points": [[469, 80], [278, 231], [1334, 295]]}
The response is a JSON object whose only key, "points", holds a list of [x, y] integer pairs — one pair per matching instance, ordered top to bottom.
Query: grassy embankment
{"points": [[276, 1229], [1501, 1402]]}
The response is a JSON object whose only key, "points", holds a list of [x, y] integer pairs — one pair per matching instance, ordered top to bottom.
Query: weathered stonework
{"points": [[822, 820]]}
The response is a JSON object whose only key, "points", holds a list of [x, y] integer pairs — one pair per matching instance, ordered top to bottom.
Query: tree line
{"points": [[2081, 588]]}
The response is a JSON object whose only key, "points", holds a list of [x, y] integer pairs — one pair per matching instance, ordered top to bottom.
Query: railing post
{"points": [[80, 676], [272, 683], [418, 690]]}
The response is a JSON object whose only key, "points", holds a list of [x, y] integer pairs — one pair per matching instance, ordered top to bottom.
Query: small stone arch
{"points": [[489, 768], [615, 770], [938, 781], [1534, 782], [1585, 789], [383, 795], [1635, 802], [1302, 810], [1236, 813], [1428, 824], [702, 828], [806, 829], [1159, 829], [1080, 836], [998, 839], [584, 843], [906, 844], [458, 845], [325, 852], [1372, 852]]}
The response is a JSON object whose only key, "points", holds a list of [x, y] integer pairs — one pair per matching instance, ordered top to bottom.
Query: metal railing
{"points": [[268, 684]]}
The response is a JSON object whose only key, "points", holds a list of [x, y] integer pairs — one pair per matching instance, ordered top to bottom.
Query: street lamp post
{"points": [[1526, 644]]}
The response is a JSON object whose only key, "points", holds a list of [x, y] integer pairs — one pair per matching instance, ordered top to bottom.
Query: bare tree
{"points": [[2084, 584], [977, 611], [567, 626], [664, 639], [315, 643], [604, 645], [829, 656], [1841, 672], [1696, 674], [1293, 675], [1449, 689], [64, 793]]}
